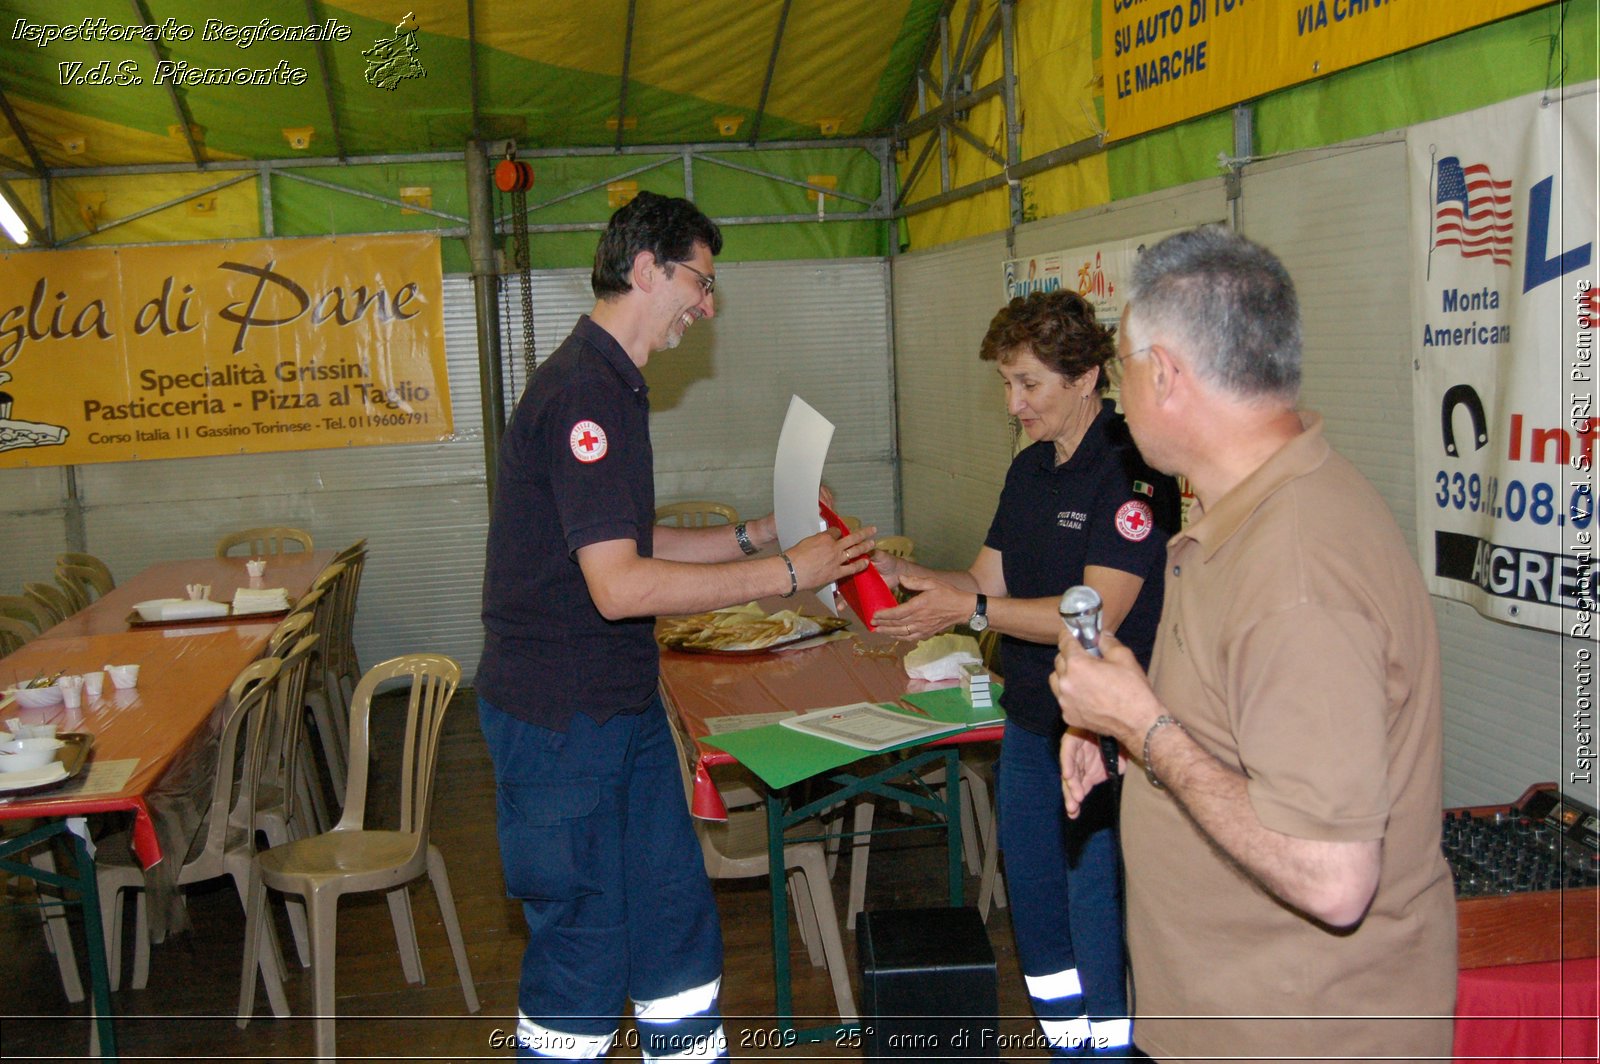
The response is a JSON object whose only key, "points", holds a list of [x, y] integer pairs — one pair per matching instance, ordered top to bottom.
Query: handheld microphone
{"points": [[1080, 612]]}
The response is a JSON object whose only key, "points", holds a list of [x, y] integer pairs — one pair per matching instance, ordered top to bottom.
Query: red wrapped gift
{"points": [[865, 592]]}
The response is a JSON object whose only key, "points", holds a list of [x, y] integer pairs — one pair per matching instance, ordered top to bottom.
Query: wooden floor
{"points": [[186, 1012]]}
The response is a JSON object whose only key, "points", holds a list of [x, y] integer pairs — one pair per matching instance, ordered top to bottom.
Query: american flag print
{"points": [[1472, 211]]}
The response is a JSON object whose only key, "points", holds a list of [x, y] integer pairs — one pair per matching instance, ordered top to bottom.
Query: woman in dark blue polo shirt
{"points": [[1079, 506]]}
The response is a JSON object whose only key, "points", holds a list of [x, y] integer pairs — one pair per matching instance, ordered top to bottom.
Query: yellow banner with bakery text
{"points": [[1168, 60], [115, 354]]}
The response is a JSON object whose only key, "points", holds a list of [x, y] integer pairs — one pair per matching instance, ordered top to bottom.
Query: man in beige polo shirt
{"points": [[1286, 892]]}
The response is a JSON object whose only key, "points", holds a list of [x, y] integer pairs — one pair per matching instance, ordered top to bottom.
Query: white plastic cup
{"points": [[198, 592], [124, 677], [93, 683], [71, 691]]}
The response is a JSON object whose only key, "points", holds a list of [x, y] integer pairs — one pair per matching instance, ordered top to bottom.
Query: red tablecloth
{"points": [[1529, 1011]]}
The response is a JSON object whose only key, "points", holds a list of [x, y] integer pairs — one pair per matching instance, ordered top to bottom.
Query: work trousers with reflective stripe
{"points": [[596, 841], [1066, 898]]}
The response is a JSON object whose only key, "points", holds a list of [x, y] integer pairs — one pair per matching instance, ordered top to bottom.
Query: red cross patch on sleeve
{"points": [[588, 442], [1135, 520]]}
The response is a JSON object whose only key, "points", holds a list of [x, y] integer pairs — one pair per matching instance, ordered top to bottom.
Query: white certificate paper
{"points": [[797, 478], [868, 726]]}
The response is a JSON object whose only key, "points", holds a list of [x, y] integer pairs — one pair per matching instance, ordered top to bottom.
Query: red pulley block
{"points": [[513, 175]]}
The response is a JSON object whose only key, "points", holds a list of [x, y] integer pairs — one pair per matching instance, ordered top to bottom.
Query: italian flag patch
{"points": [[1144, 487]]}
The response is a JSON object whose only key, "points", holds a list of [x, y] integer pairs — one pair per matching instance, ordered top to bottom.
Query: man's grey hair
{"points": [[1233, 303]]}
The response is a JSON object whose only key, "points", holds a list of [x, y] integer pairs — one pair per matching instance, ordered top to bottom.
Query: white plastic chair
{"points": [[697, 514], [262, 542], [899, 546], [100, 575], [289, 632], [14, 635], [341, 663], [324, 695], [281, 798], [979, 842], [737, 849], [226, 850], [352, 859]]}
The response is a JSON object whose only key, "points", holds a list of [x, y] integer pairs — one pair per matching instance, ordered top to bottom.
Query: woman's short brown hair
{"points": [[1058, 327]]}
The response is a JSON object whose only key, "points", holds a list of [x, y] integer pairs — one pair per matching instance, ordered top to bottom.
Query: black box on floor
{"points": [[928, 985]]}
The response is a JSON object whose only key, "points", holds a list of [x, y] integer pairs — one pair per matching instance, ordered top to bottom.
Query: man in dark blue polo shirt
{"points": [[594, 832]]}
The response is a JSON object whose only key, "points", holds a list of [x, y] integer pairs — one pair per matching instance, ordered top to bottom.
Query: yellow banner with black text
{"points": [[1169, 60], [114, 354]]}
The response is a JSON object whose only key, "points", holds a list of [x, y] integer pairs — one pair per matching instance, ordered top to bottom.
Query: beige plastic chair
{"points": [[696, 514], [263, 542], [899, 546], [103, 580], [80, 582], [52, 600], [24, 609], [308, 612], [294, 625], [290, 630], [14, 634], [342, 663], [324, 694], [283, 806], [979, 842], [737, 849], [225, 850], [350, 859], [52, 913]]}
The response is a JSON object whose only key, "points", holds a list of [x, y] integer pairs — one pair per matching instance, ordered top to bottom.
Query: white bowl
{"points": [[151, 609], [38, 697], [20, 730], [19, 755]]}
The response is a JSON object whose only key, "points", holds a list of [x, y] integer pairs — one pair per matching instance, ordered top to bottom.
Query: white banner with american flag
{"points": [[1504, 313]]}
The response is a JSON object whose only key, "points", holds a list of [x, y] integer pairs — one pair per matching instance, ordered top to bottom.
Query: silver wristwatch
{"points": [[743, 538], [979, 621]]}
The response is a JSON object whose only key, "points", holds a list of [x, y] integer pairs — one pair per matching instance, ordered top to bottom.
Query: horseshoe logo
{"points": [[1463, 395]]}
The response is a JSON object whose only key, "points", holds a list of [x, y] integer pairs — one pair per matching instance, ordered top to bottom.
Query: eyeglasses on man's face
{"points": [[707, 282], [1119, 362]]}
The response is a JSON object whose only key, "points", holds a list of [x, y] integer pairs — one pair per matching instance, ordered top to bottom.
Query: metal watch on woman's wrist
{"points": [[979, 620]]}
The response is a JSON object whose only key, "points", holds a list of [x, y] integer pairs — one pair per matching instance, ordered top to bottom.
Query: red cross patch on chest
{"points": [[588, 441]]}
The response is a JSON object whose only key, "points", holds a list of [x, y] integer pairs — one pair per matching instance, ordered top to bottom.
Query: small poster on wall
{"points": [[1097, 272], [1504, 313]]}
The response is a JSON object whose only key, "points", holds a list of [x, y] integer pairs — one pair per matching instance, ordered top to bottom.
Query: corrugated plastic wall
{"points": [[817, 329], [955, 437]]}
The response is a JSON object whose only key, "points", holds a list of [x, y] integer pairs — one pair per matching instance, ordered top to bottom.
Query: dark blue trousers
{"points": [[596, 841], [1066, 898]]}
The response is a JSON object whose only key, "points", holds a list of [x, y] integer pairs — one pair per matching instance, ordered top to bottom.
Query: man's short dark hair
{"points": [[666, 226], [1234, 303]]}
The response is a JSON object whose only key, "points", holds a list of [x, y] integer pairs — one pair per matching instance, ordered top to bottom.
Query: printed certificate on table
{"points": [[868, 726]]}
